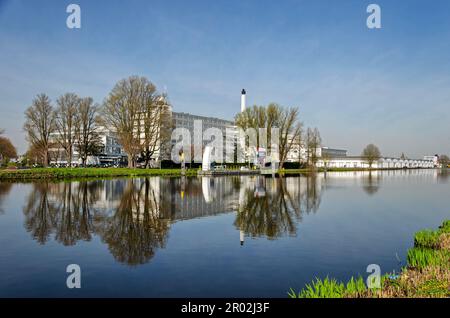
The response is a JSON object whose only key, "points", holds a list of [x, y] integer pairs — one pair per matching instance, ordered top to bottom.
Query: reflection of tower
{"points": [[243, 100], [183, 186], [243, 187], [260, 187], [207, 189]]}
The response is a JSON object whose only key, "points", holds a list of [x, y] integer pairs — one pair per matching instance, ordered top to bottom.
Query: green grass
{"points": [[65, 173], [69, 173], [445, 227], [430, 238], [427, 239], [427, 254], [421, 258], [330, 288]]}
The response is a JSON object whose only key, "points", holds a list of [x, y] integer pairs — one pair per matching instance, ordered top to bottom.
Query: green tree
{"points": [[273, 116], [7, 150], [444, 160]]}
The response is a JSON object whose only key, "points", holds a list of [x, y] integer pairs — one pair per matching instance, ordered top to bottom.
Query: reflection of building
{"points": [[133, 216]]}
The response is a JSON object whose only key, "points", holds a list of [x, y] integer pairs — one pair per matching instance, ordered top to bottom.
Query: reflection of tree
{"points": [[443, 175], [371, 184], [5, 187], [313, 197], [60, 208], [39, 213], [272, 215], [74, 216], [136, 229], [132, 232]]}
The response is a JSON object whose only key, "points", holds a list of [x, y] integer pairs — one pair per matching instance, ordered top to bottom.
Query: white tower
{"points": [[243, 101]]}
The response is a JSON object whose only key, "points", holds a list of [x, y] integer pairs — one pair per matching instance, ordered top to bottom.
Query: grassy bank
{"points": [[64, 173], [427, 274]]}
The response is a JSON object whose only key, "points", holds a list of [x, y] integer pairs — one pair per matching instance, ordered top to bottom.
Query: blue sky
{"points": [[390, 87]]}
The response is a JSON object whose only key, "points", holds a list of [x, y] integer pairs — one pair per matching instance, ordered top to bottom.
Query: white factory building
{"points": [[112, 152], [382, 163]]}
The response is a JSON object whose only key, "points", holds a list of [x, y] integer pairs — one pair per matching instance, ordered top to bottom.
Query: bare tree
{"points": [[125, 110], [273, 116], [66, 123], [39, 125], [156, 126], [290, 131], [87, 135], [313, 142], [371, 154], [325, 156]]}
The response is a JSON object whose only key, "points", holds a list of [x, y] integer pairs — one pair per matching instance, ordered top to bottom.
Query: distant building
{"points": [[192, 124], [110, 152], [333, 153], [434, 158], [382, 163]]}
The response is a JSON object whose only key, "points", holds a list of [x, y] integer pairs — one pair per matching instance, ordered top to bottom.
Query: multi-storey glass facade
{"points": [[197, 125]]}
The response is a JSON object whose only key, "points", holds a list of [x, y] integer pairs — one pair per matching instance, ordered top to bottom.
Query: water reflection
{"points": [[443, 175], [371, 183], [5, 188], [272, 207], [63, 209], [268, 210], [40, 213], [133, 216], [137, 227]]}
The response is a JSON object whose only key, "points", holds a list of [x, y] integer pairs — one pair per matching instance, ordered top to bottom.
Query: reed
{"points": [[427, 273]]}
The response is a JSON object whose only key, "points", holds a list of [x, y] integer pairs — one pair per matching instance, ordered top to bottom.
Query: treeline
{"points": [[134, 110], [71, 126], [292, 137], [7, 150]]}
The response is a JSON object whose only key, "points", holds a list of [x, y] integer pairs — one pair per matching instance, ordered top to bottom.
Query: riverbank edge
{"points": [[73, 173], [76, 173], [427, 274]]}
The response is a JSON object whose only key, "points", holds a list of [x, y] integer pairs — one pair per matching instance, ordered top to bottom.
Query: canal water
{"points": [[232, 236]]}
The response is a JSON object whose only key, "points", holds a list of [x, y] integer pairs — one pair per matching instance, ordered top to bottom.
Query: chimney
{"points": [[243, 100]]}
